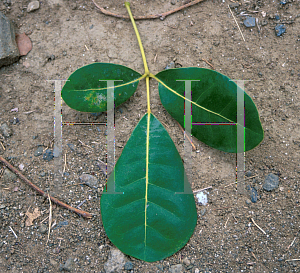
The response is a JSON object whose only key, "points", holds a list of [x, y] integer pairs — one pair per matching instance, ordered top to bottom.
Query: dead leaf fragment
{"points": [[24, 43], [31, 217]]}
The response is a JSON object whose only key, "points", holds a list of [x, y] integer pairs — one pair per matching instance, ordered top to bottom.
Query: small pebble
{"points": [[173, 2], [34, 5], [234, 5], [249, 22], [280, 29], [170, 65], [5, 130], [71, 146], [39, 151], [48, 155], [21, 167], [249, 173], [9, 176], [89, 180], [271, 182], [253, 194], [202, 198], [202, 212], [61, 224], [43, 228], [186, 261], [53, 262], [68, 266], [128, 266], [160, 267], [177, 268]]}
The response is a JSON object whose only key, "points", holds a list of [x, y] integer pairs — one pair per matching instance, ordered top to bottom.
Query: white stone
{"points": [[34, 5], [115, 262]]}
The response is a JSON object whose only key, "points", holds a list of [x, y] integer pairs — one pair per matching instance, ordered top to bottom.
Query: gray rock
{"points": [[173, 2], [34, 5], [234, 5], [249, 22], [280, 29], [9, 52], [170, 65], [4, 129], [71, 146], [38, 151], [48, 155], [248, 174], [9, 176], [89, 180], [271, 182], [252, 193], [2, 206], [202, 212], [61, 224], [43, 229], [116, 261], [186, 261], [53, 262], [68, 266], [128, 266], [160, 267], [177, 268]]}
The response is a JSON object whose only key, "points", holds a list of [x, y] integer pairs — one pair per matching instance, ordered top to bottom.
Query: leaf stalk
{"points": [[147, 72]]}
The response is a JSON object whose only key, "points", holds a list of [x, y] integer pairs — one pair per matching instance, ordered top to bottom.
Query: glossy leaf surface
{"points": [[86, 88], [214, 100], [150, 220]]}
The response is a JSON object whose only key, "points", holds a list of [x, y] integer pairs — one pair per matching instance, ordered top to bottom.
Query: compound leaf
{"points": [[86, 88], [214, 100], [149, 217]]}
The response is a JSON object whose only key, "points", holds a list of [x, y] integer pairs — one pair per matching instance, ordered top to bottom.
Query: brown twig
{"points": [[162, 16], [209, 64], [2, 146], [194, 148], [54, 200]]}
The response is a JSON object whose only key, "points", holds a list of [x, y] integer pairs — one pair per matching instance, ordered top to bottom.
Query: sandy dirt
{"points": [[69, 34]]}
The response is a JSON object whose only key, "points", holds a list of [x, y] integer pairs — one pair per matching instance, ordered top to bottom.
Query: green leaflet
{"points": [[86, 88], [214, 100], [149, 221]]}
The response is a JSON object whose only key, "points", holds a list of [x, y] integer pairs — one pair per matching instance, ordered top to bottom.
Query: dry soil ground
{"points": [[71, 34]]}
